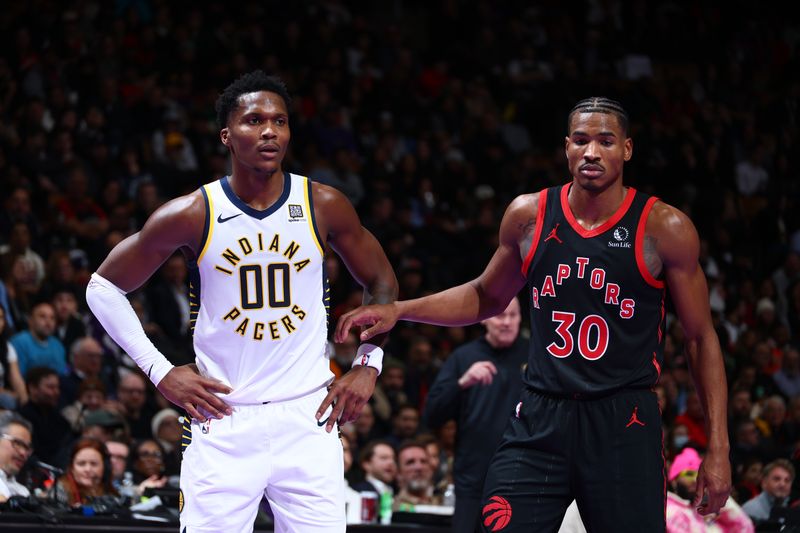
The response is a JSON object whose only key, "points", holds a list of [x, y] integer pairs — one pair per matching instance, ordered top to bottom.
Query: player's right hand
{"points": [[381, 318], [480, 372], [186, 388]]}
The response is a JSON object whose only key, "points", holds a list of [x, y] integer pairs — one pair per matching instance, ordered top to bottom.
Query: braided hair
{"points": [[601, 104]]}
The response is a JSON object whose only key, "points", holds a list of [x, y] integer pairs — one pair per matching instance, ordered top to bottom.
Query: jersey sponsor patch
{"points": [[295, 211], [621, 235]]}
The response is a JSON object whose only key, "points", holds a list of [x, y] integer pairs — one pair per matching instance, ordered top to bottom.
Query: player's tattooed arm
{"points": [[526, 231], [360, 251], [651, 258]]}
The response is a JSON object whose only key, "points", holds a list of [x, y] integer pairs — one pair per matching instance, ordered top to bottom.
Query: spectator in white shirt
{"points": [[15, 448]]}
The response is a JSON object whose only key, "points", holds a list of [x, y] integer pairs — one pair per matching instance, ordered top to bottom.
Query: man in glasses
{"points": [[15, 448], [683, 516]]}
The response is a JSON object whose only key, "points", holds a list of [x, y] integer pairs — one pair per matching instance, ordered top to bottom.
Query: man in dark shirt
{"points": [[86, 357], [478, 386], [132, 395], [52, 433]]}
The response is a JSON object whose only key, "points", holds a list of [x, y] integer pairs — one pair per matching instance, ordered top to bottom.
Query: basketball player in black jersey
{"points": [[597, 257]]}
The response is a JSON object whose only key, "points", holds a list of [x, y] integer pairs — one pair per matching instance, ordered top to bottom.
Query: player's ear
{"points": [[224, 136], [628, 152]]}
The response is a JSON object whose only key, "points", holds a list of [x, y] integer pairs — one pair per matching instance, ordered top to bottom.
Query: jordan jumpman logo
{"points": [[552, 234], [634, 418]]}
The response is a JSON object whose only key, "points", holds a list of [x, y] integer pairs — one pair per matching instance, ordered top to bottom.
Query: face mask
{"points": [[679, 441], [684, 492]]}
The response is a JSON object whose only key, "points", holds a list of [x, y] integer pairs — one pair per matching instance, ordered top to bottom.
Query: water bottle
{"points": [[127, 489], [449, 499], [386, 508]]}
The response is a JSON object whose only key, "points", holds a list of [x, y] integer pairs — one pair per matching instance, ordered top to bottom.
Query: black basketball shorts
{"points": [[606, 453]]}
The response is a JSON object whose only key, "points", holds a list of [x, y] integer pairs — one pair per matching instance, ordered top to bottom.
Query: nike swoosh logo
{"points": [[221, 220], [321, 423]]}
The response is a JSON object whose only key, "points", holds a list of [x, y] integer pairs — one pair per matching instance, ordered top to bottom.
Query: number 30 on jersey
{"points": [[592, 336]]}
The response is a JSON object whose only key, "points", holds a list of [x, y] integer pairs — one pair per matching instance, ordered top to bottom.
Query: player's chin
{"points": [[267, 168], [594, 183]]}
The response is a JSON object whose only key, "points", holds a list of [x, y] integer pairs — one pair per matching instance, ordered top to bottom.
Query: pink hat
{"points": [[688, 459]]}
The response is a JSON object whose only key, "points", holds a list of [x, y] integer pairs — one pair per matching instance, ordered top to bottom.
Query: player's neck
{"points": [[258, 190], [592, 208]]}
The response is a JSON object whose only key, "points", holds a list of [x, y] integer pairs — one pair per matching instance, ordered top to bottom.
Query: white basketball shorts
{"points": [[277, 450]]}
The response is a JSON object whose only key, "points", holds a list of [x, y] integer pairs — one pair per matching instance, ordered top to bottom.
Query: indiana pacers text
{"points": [[264, 267]]}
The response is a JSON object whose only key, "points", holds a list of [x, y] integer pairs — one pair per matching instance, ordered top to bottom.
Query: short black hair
{"points": [[252, 82], [600, 104], [35, 375], [406, 444], [369, 450]]}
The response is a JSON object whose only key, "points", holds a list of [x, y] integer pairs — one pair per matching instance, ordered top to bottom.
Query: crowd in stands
{"points": [[431, 117]]}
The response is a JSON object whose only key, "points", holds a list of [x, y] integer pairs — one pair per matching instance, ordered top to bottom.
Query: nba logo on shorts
{"points": [[206, 426]]}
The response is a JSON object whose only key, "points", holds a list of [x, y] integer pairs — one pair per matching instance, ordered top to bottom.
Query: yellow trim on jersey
{"points": [[210, 215], [310, 217]]}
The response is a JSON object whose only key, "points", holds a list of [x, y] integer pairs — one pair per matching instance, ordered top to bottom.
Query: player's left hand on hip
{"points": [[347, 395], [713, 483]]}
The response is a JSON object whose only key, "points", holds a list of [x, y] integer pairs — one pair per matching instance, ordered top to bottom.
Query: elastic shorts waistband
{"points": [[583, 396], [283, 400]]}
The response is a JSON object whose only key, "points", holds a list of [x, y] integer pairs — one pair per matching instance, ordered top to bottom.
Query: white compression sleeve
{"points": [[112, 308]]}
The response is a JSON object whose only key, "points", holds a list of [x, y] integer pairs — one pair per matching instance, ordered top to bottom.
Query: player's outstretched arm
{"points": [[177, 224], [677, 244], [364, 257], [469, 303]]}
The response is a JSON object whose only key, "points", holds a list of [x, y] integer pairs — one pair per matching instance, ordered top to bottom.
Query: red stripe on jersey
{"points": [[605, 226], [537, 232], [648, 277], [658, 367], [664, 469]]}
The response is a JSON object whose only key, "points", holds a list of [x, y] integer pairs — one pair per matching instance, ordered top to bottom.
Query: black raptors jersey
{"points": [[597, 314]]}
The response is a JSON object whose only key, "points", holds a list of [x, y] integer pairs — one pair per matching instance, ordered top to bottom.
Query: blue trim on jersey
{"points": [[256, 213], [313, 216], [207, 221]]}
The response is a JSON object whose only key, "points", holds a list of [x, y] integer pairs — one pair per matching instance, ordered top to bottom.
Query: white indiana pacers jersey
{"points": [[260, 295]]}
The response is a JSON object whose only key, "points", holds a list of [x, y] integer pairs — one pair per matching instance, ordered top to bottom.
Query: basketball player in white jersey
{"points": [[260, 396]]}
